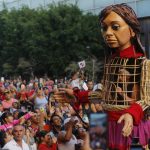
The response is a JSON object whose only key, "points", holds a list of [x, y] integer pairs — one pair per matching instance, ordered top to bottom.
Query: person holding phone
{"points": [[120, 30], [40, 102], [66, 138], [46, 142]]}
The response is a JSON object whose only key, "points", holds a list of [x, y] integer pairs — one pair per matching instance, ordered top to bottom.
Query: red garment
{"points": [[128, 53], [31, 93], [22, 95], [2, 96], [81, 96], [135, 110], [47, 127], [35, 129], [45, 147], [119, 147]]}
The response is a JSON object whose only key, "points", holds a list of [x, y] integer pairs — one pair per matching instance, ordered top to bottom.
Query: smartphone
{"points": [[23, 109], [42, 109], [98, 131], [52, 134]]}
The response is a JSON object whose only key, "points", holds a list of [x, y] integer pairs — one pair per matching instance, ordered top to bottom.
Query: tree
{"points": [[49, 39]]}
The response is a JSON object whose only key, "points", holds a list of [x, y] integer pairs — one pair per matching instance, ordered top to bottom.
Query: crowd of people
{"points": [[30, 117]]}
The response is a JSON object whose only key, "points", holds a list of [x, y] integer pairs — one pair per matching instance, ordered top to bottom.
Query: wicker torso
{"points": [[122, 73]]}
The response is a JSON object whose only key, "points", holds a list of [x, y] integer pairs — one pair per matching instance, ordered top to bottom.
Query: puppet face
{"points": [[116, 32]]}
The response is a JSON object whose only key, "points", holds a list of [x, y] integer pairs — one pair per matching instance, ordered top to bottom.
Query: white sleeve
{"points": [[6, 147]]}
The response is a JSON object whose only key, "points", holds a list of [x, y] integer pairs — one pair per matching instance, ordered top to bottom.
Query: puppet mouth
{"points": [[111, 41]]}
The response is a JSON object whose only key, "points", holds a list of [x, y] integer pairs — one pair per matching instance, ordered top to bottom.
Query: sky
{"points": [[85, 5]]}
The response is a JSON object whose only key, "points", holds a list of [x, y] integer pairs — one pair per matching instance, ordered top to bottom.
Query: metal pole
{"points": [[30, 4], [44, 4], [94, 6], [93, 69]]}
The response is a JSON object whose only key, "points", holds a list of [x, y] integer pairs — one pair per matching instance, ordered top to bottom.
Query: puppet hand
{"points": [[67, 91], [64, 95], [128, 124]]}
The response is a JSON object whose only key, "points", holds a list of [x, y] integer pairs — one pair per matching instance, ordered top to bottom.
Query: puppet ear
{"points": [[132, 33]]}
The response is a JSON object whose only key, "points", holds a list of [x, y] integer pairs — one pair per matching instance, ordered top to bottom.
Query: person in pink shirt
{"points": [[7, 103], [8, 121]]}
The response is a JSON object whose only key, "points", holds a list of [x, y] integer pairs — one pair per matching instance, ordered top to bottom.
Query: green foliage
{"points": [[47, 40], [7, 68]]}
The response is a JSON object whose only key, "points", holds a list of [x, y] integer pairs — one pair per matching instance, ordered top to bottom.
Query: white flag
{"points": [[81, 64]]}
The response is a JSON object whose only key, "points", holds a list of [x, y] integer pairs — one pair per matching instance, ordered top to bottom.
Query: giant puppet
{"points": [[124, 94]]}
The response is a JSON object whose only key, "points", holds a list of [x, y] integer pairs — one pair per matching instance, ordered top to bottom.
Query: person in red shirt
{"points": [[46, 141]]}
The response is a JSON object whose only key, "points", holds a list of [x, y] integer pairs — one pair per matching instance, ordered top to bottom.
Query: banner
{"points": [[81, 64]]}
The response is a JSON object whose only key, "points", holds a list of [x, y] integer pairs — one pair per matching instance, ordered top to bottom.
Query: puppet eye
{"points": [[115, 27], [103, 28]]}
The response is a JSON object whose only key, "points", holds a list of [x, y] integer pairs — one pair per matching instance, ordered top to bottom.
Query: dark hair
{"points": [[129, 16], [72, 73], [89, 80], [22, 84], [45, 87], [40, 88], [6, 91], [21, 114], [54, 115], [4, 116], [41, 134], [2, 138]]}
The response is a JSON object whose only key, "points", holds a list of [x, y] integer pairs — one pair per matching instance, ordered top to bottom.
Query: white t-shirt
{"points": [[75, 83], [79, 84], [98, 86], [12, 145], [68, 145]]}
